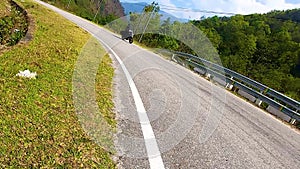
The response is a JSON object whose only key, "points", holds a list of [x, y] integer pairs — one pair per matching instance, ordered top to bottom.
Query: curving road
{"points": [[195, 124]]}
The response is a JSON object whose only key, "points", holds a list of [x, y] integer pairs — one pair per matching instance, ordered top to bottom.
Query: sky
{"points": [[175, 7]]}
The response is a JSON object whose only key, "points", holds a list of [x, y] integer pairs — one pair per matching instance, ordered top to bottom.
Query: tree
{"points": [[153, 7]]}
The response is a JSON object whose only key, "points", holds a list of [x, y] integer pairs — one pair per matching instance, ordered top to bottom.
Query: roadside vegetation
{"points": [[99, 11], [13, 23], [263, 47], [38, 124]]}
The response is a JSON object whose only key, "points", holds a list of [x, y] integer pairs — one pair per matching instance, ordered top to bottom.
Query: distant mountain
{"points": [[133, 7], [138, 8], [293, 15]]}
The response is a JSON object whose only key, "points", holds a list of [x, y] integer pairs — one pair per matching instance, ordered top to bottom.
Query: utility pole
{"points": [[68, 4], [99, 4], [153, 10], [139, 22]]}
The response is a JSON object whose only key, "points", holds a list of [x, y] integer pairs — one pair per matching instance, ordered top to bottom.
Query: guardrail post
{"points": [[173, 58], [208, 76], [229, 86], [258, 102], [293, 121]]}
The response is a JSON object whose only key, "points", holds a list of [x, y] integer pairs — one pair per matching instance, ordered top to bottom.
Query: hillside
{"points": [[133, 7], [104, 10], [293, 15]]}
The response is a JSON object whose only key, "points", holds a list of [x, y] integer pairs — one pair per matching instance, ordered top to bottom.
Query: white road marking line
{"points": [[153, 152], [156, 162]]}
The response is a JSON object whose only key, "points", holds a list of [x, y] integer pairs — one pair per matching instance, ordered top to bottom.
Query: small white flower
{"points": [[26, 73]]}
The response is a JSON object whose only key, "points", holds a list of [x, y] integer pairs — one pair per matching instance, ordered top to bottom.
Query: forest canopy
{"points": [[264, 47]]}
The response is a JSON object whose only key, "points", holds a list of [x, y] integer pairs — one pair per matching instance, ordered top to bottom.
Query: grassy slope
{"points": [[4, 8], [38, 125]]}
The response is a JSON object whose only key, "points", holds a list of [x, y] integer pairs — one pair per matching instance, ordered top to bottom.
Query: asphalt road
{"points": [[196, 124]]}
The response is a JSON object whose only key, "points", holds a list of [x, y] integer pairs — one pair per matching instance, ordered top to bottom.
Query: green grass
{"points": [[13, 24], [38, 124]]}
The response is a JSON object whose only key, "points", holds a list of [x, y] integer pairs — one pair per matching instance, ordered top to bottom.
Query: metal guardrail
{"points": [[256, 89]]}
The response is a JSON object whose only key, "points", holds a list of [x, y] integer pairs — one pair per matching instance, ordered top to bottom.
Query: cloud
{"points": [[229, 6], [232, 6]]}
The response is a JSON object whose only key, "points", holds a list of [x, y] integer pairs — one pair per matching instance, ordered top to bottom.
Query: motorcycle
{"points": [[127, 35]]}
